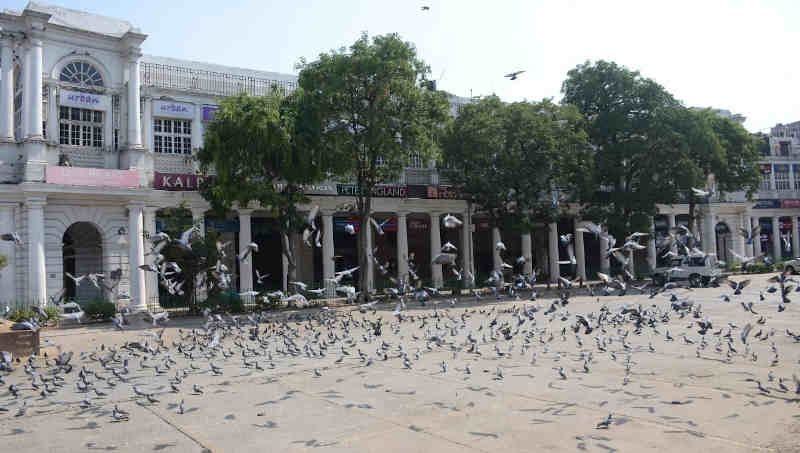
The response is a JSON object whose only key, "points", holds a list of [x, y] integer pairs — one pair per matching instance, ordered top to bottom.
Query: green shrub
{"points": [[760, 268], [99, 309], [53, 313], [21, 314]]}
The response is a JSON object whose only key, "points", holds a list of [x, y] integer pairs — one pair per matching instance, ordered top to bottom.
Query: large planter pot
{"points": [[21, 343]]}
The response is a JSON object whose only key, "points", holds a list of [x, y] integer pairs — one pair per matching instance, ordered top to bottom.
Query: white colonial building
{"points": [[96, 138]]}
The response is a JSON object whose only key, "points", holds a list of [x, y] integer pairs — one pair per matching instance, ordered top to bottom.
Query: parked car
{"points": [[792, 266], [698, 270]]}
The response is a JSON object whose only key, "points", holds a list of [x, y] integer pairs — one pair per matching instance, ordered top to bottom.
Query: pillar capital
{"points": [[136, 204], [150, 210], [245, 212], [402, 213]]}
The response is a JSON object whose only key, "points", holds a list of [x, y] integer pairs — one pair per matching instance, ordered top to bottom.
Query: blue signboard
{"points": [[767, 204]]}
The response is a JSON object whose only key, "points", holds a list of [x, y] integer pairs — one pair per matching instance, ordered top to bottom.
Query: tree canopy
{"points": [[372, 113], [261, 151], [508, 159]]}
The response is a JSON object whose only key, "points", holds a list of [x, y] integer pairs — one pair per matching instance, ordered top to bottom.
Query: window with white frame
{"points": [[80, 127], [172, 136], [415, 160], [766, 177], [782, 177]]}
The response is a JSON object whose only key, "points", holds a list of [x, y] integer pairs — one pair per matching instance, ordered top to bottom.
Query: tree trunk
{"points": [[692, 223], [291, 266]]}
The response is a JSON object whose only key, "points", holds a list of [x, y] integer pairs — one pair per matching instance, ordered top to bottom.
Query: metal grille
{"points": [[210, 82]]}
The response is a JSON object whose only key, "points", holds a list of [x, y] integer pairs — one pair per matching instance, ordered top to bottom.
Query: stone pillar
{"points": [[6, 92], [33, 100], [52, 116], [134, 119], [147, 124], [199, 220], [671, 221], [709, 233], [245, 238], [776, 238], [795, 238], [402, 245], [739, 245], [651, 246], [466, 247], [436, 248], [746, 248], [328, 250], [580, 251], [757, 251], [527, 252], [497, 260], [605, 262], [555, 268], [370, 270], [8, 278], [151, 278], [37, 279], [138, 286]]}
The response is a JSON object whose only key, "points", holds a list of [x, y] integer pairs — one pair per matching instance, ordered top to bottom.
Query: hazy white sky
{"points": [[727, 54]]}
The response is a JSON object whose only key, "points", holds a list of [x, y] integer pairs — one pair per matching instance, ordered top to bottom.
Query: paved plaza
{"points": [[674, 400]]}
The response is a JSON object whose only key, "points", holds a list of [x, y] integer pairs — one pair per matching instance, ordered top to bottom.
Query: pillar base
{"points": [[35, 171]]}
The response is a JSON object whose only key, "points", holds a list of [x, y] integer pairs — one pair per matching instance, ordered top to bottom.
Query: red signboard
{"points": [[93, 177], [176, 181], [442, 192], [790, 203]]}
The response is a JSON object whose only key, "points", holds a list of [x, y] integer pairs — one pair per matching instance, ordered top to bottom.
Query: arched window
{"points": [[81, 73]]}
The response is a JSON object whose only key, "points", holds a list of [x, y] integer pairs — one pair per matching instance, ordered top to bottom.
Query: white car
{"points": [[792, 266], [698, 270]]}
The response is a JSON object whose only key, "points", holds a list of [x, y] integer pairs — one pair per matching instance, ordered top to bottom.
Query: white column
{"points": [[25, 49], [6, 92], [34, 100], [52, 115], [134, 120], [147, 124], [197, 129], [772, 179], [199, 220], [671, 221], [367, 229], [709, 233], [245, 237], [795, 237], [776, 238], [738, 240], [526, 241], [402, 245], [466, 246], [651, 246], [436, 248], [746, 248], [328, 250], [553, 251], [757, 251], [580, 252], [497, 260], [605, 262], [151, 278], [8, 279], [37, 279], [138, 286]]}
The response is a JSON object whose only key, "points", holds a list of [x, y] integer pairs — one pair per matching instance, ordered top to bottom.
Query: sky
{"points": [[734, 55]]}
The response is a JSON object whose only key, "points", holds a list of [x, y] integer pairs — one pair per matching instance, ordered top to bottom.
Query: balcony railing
{"points": [[208, 82]]}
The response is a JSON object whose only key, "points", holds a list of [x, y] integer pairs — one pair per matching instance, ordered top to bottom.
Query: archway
{"points": [[724, 242], [82, 251]]}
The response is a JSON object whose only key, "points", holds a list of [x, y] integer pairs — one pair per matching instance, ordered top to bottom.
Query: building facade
{"points": [[96, 139]]}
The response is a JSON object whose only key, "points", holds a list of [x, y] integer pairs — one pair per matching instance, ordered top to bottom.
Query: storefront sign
{"points": [[69, 98], [170, 109], [209, 111], [781, 168], [765, 169], [796, 169], [93, 177], [175, 181], [325, 188], [377, 191], [442, 192], [790, 203], [767, 204], [417, 225], [222, 226]]}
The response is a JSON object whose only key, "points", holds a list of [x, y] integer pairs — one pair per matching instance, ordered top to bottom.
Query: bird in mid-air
{"points": [[425, 8], [513, 75]]}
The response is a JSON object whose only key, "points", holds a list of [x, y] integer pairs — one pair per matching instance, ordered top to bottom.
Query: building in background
{"points": [[96, 139]]}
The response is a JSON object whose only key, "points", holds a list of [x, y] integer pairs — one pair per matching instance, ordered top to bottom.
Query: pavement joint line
{"points": [[174, 426]]}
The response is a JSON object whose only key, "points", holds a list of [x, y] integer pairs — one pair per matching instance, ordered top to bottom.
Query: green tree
{"points": [[372, 113], [625, 115], [260, 152], [508, 159]]}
